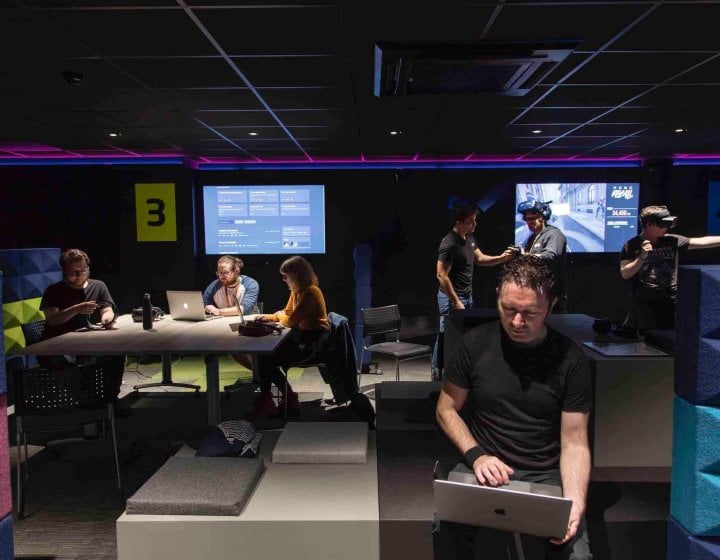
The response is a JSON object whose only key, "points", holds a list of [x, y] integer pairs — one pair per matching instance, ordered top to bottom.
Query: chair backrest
{"points": [[381, 320], [33, 331], [41, 391]]}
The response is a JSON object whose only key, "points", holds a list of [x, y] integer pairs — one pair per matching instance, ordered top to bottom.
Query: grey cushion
{"points": [[322, 442], [198, 486]]}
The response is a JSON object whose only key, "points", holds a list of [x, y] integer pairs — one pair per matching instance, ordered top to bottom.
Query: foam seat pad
{"points": [[401, 350], [322, 442], [198, 486]]}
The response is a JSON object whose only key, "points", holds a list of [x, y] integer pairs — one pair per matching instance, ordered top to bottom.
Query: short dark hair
{"points": [[463, 211], [73, 255], [528, 271]]}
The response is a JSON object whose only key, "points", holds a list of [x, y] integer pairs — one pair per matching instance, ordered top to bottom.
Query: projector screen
{"points": [[595, 217], [264, 219]]}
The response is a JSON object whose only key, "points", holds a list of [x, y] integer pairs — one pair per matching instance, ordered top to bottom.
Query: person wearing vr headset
{"points": [[548, 243], [456, 256], [650, 261], [71, 303]]}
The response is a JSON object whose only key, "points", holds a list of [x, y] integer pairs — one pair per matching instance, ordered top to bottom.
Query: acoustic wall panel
{"points": [[26, 275], [697, 345], [695, 490], [6, 536], [683, 545]]}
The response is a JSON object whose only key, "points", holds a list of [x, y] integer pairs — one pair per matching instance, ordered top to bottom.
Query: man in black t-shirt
{"points": [[651, 260], [454, 270], [69, 303], [531, 396]]}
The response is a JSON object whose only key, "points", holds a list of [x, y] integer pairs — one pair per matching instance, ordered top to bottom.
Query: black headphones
{"points": [[94, 322]]}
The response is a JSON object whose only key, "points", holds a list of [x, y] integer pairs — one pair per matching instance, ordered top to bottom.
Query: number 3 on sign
{"points": [[155, 211]]}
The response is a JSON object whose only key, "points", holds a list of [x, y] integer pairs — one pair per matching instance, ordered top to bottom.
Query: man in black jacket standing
{"points": [[548, 243]]}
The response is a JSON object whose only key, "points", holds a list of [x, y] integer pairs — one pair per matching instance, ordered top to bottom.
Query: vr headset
{"points": [[537, 207], [662, 219]]}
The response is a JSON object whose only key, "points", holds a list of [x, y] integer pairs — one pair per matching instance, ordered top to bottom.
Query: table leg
{"points": [[212, 375]]}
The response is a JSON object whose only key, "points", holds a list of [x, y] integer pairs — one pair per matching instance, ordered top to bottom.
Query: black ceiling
{"points": [[198, 77]]}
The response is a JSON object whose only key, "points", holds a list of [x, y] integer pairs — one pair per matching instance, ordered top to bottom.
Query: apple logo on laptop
{"points": [[185, 305], [500, 511]]}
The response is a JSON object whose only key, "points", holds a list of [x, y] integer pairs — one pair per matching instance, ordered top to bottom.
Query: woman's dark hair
{"points": [[301, 271], [528, 271]]}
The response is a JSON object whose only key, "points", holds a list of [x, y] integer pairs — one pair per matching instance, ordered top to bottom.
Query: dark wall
{"points": [[401, 214]]}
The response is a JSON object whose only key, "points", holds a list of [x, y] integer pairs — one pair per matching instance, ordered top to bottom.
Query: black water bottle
{"points": [[147, 313]]}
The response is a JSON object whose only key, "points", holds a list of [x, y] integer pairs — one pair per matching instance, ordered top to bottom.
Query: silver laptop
{"points": [[187, 306], [523, 507]]}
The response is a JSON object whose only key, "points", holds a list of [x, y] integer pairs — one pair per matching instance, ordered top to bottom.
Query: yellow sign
{"points": [[155, 211]]}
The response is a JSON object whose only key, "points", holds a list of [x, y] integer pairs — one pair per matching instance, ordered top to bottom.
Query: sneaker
{"points": [[264, 406]]}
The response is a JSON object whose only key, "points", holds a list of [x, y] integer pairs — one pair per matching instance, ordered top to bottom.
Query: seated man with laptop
{"points": [[231, 288], [531, 395]]}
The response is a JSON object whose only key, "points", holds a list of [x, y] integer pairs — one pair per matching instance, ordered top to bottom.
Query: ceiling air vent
{"points": [[502, 68]]}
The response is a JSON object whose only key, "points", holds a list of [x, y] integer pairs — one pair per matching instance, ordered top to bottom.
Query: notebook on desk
{"points": [[187, 306], [523, 507]]}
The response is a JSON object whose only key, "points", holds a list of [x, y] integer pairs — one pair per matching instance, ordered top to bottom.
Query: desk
{"points": [[210, 338], [631, 423]]}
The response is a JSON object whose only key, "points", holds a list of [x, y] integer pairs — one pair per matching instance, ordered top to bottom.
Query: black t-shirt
{"points": [[551, 244], [460, 254], [659, 271], [62, 296], [518, 394]]}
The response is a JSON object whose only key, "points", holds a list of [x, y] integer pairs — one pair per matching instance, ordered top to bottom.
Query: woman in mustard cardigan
{"points": [[306, 315]]}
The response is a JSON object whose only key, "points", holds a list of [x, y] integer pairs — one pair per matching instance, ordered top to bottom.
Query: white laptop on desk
{"points": [[187, 306], [522, 507]]}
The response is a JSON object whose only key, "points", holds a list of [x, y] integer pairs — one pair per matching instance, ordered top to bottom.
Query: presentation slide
{"points": [[595, 217], [264, 219]]}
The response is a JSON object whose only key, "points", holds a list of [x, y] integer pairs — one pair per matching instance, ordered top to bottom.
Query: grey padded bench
{"points": [[322, 443], [198, 486]]}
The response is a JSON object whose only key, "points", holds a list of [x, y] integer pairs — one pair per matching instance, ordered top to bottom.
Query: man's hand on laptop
{"points": [[212, 310], [491, 471], [576, 514]]}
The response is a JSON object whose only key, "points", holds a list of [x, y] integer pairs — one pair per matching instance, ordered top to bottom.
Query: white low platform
{"points": [[312, 512]]}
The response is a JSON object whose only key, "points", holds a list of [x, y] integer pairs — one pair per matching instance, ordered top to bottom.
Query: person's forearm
{"points": [[706, 242], [490, 260], [631, 268], [447, 288], [107, 315], [60, 316], [455, 429], [575, 472]]}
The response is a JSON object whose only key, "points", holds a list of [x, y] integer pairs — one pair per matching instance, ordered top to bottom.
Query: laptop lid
{"points": [[186, 305], [522, 507]]}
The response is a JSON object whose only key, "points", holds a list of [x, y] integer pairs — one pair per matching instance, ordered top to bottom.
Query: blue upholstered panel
{"points": [[10, 262], [362, 271], [696, 355], [695, 490], [6, 538], [682, 545]]}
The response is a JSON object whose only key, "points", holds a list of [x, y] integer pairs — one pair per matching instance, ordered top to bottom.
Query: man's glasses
{"points": [[80, 272], [225, 273]]}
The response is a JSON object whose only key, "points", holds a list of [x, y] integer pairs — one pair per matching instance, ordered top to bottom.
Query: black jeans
{"points": [[297, 348], [455, 541]]}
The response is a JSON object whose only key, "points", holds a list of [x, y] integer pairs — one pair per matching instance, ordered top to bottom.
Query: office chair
{"points": [[383, 321], [33, 331], [58, 400]]}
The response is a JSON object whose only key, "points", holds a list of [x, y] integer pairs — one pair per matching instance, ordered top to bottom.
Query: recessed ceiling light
{"points": [[679, 130], [537, 131], [395, 132], [252, 133], [114, 134]]}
